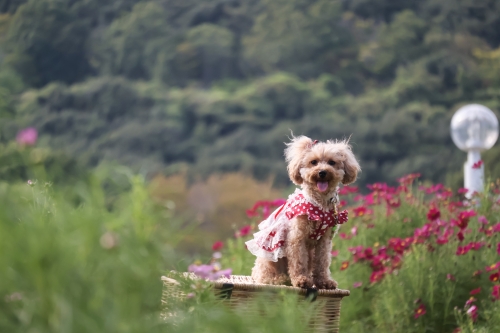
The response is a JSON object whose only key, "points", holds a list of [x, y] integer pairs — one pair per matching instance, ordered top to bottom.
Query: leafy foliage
{"points": [[215, 86], [70, 262]]}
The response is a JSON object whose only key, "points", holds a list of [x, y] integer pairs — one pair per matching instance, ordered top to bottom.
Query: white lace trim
{"points": [[280, 225], [257, 251]]}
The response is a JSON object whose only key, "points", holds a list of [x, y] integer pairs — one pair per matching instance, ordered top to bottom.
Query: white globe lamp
{"points": [[474, 128]]}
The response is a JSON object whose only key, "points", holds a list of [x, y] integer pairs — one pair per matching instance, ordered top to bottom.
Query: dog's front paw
{"points": [[302, 281], [326, 284]]}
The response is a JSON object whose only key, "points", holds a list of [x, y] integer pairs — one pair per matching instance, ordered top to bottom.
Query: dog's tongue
{"points": [[322, 186]]}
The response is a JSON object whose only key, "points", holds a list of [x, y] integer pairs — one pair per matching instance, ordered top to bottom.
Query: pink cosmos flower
{"points": [[27, 136], [477, 165], [408, 179], [378, 187], [348, 189], [402, 189], [432, 189], [462, 190], [445, 194], [358, 197], [370, 199], [278, 202], [393, 202], [265, 207], [362, 210], [252, 213], [433, 214], [463, 218], [482, 219], [244, 231], [354, 231], [487, 231], [423, 233], [343, 235], [460, 236], [441, 240], [399, 245], [476, 245], [217, 246], [462, 250], [357, 252], [334, 253], [368, 253], [396, 262], [378, 263], [344, 265], [492, 267], [209, 272], [477, 273], [377, 276], [450, 277], [494, 277], [357, 284], [475, 291], [496, 292], [469, 302], [420, 311], [472, 312]]}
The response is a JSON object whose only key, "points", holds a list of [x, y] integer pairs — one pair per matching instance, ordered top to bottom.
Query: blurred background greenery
{"points": [[215, 86], [187, 92]]}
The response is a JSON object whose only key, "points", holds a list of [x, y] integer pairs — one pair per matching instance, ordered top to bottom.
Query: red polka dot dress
{"points": [[270, 241]]}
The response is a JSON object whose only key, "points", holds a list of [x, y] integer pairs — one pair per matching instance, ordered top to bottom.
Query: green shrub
{"points": [[69, 263]]}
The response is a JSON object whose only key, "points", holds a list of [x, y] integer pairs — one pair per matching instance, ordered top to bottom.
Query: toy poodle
{"points": [[293, 244]]}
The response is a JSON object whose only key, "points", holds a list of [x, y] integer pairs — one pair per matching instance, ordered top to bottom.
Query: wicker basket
{"points": [[239, 290]]}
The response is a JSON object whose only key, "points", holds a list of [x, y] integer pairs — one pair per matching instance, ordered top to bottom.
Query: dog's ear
{"points": [[293, 155], [351, 166]]}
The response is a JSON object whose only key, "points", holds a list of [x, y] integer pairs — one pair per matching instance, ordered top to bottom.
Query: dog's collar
{"points": [[335, 198]]}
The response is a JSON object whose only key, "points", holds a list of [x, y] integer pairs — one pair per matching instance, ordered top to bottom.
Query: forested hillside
{"points": [[216, 85]]}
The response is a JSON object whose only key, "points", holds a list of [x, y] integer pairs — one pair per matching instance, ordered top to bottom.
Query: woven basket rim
{"points": [[243, 282]]}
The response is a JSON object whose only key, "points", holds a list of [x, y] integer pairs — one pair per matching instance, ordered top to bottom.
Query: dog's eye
{"points": [[314, 162], [331, 162]]}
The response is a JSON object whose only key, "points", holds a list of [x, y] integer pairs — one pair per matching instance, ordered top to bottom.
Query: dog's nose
{"points": [[322, 174]]}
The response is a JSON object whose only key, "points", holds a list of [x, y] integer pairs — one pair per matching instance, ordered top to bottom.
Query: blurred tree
{"points": [[10, 6], [380, 9], [477, 17], [302, 37], [47, 40], [400, 43], [138, 45], [209, 49], [218, 84]]}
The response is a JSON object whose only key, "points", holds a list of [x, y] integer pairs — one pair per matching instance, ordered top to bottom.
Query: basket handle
{"points": [[226, 291], [312, 294]]}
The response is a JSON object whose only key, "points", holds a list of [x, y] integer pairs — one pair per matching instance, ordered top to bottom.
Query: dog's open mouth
{"points": [[322, 186]]}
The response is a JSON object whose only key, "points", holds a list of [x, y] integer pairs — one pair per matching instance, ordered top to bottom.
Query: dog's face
{"points": [[321, 165]]}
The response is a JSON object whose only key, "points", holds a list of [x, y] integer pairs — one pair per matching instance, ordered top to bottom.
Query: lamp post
{"points": [[474, 128]]}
